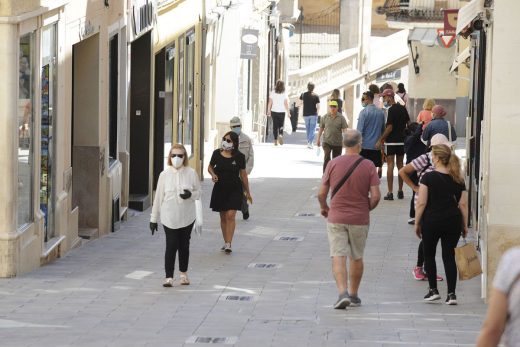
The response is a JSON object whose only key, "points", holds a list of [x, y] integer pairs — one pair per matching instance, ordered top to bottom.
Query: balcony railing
{"points": [[416, 10]]}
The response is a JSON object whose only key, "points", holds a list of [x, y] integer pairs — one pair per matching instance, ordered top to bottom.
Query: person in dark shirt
{"points": [[311, 107], [393, 137], [442, 214]]}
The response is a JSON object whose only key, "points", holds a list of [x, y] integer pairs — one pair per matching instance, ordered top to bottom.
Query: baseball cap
{"points": [[388, 92], [333, 103], [438, 110], [235, 121], [440, 139]]}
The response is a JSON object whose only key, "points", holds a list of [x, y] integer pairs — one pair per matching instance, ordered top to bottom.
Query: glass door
{"points": [[48, 111]]}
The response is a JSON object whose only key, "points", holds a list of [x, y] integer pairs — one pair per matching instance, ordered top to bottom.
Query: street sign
{"points": [[450, 21], [446, 40], [249, 44]]}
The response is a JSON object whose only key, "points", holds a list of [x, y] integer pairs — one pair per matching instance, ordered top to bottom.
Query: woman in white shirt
{"points": [[277, 107], [177, 189]]}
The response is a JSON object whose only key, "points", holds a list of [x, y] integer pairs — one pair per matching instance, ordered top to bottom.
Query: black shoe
{"points": [[400, 194], [389, 196], [245, 215], [433, 294], [451, 299]]}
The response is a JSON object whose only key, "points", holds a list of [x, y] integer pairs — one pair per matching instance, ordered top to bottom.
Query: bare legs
{"points": [[390, 162], [227, 225], [339, 269]]}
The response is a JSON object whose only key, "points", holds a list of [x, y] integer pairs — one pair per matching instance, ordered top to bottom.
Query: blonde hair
{"points": [[428, 104], [181, 147], [449, 159]]}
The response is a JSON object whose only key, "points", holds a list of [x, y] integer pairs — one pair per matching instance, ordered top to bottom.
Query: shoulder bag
{"points": [[345, 178]]}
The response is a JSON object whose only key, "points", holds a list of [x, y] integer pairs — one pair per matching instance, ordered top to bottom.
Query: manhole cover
{"points": [[305, 214], [288, 238], [264, 265], [239, 298], [209, 339]]}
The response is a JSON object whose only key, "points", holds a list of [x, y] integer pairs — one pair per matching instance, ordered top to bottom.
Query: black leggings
{"points": [[278, 120], [448, 231], [177, 240]]}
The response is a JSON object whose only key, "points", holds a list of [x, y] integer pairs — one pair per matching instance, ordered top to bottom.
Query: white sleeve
{"points": [[157, 201]]}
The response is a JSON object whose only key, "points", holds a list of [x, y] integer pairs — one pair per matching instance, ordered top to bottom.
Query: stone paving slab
{"points": [[85, 298]]}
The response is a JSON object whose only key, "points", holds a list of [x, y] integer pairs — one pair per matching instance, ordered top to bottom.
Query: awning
{"points": [[468, 13], [426, 36], [465, 54]]}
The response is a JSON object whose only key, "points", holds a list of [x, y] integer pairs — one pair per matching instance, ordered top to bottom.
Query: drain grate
{"points": [[305, 214], [288, 238], [264, 265], [239, 298], [208, 339]]}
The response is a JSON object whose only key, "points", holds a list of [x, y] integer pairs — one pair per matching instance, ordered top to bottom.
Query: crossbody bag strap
{"points": [[449, 131], [345, 178]]}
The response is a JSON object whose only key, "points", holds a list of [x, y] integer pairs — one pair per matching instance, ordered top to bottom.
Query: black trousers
{"points": [[278, 120], [328, 150], [448, 232], [177, 240]]}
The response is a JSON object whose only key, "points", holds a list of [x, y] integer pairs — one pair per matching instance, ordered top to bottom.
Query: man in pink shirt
{"points": [[348, 216]]}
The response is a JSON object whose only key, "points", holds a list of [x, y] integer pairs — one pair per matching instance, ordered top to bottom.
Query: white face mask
{"points": [[227, 146], [177, 162]]}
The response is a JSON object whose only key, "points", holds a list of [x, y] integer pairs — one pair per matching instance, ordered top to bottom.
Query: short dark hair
{"points": [[310, 87], [369, 94]]}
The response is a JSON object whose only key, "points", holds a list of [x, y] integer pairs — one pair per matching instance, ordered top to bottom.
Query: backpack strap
{"points": [[345, 178]]}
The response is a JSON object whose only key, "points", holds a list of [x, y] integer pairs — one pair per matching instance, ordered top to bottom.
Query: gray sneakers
{"points": [[343, 301], [355, 301]]}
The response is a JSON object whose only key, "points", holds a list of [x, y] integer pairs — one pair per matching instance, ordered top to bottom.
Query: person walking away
{"points": [[401, 92], [335, 97], [377, 97], [277, 107], [311, 108], [425, 116], [371, 125], [438, 125], [332, 126], [393, 136], [245, 146], [413, 148], [419, 166], [227, 168], [355, 192], [174, 205], [442, 214], [503, 315]]}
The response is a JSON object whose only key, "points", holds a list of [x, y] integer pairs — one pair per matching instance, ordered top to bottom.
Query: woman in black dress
{"points": [[227, 168]]}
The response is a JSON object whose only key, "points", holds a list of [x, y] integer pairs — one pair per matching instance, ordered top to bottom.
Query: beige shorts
{"points": [[347, 240]]}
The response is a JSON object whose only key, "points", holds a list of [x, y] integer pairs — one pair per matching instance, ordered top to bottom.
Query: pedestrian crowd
{"points": [[350, 189]]}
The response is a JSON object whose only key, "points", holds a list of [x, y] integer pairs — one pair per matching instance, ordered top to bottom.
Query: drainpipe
{"points": [[202, 109]]}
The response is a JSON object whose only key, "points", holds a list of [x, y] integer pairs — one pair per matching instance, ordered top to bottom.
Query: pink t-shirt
{"points": [[425, 116], [351, 203]]}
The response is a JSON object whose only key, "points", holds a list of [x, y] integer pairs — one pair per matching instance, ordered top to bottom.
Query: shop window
{"points": [[113, 98], [189, 109], [25, 130]]}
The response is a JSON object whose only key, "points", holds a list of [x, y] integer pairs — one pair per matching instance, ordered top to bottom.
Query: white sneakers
{"points": [[168, 282]]}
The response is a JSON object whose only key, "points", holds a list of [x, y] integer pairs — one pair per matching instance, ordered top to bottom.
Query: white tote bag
{"points": [[287, 126], [197, 226]]}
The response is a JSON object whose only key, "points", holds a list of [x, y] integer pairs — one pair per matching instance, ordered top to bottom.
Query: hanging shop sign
{"points": [[143, 12], [450, 21], [249, 44], [388, 75]]}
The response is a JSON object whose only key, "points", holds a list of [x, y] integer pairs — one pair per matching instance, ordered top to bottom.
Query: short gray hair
{"points": [[351, 138]]}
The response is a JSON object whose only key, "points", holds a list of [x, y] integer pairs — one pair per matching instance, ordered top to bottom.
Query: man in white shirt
{"points": [[245, 146]]}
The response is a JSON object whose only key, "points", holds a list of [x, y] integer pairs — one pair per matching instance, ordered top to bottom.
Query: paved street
{"points": [[109, 292]]}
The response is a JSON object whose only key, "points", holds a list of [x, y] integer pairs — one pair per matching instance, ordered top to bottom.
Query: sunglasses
{"points": [[333, 106], [235, 126], [227, 140], [177, 155]]}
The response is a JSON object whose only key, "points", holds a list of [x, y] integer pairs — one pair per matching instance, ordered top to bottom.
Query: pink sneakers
{"points": [[419, 274]]}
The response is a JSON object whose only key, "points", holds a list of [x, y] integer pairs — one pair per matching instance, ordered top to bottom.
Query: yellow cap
{"points": [[333, 103]]}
